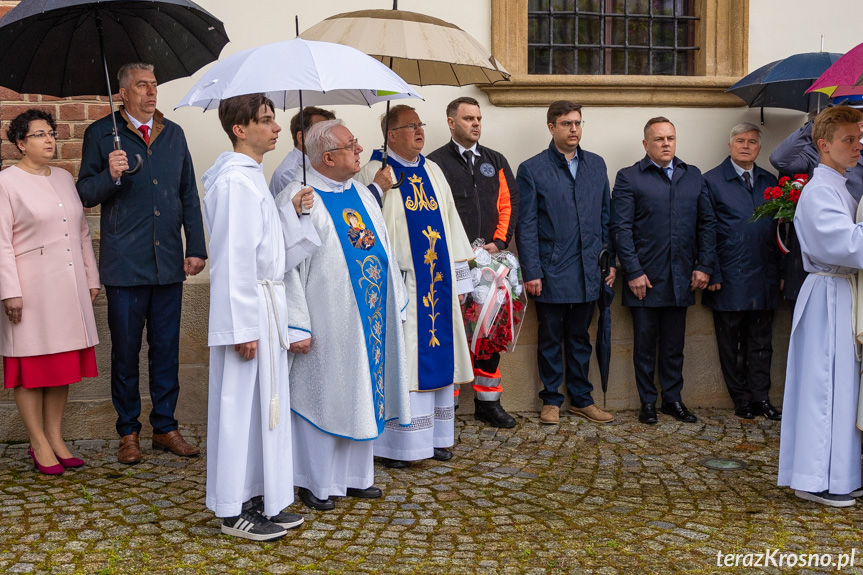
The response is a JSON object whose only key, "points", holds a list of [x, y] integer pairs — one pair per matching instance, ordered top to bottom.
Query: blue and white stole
{"points": [[367, 262], [434, 284]]}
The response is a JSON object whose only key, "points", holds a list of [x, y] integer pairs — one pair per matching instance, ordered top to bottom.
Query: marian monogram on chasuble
{"points": [[367, 262], [431, 266]]}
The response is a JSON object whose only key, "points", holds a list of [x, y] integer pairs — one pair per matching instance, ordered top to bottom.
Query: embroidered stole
{"points": [[366, 260], [431, 262]]}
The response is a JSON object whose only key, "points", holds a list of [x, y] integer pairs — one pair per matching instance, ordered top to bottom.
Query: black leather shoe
{"points": [[744, 410], [678, 411], [492, 412], [770, 412], [648, 413], [441, 454], [395, 463], [367, 493], [313, 502]]}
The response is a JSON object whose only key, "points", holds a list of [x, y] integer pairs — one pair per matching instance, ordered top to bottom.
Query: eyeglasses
{"points": [[569, 124], [411, 127], [42, 135], [352, 146]]}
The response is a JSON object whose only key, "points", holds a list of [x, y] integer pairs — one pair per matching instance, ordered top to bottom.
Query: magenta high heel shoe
{"points": [[70, 462], [50, 470]]}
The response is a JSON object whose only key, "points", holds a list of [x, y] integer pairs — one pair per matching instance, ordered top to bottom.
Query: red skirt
{"points": [[51, 370]]}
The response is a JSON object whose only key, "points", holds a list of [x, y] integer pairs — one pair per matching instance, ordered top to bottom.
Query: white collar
{"points": [[138, 124], [462, 149], [404, 162], [740, 171], [333, 185]]}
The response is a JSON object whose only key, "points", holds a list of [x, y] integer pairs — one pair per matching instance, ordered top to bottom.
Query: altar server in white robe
{"points": [[433, 251], [349, 296], [819, 445], [249, 472]]}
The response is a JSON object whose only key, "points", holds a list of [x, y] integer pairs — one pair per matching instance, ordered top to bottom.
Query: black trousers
{"points": [[564, 325], [662, 329], [745, 340]]}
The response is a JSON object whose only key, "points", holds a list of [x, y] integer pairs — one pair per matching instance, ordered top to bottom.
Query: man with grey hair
{"points": [[143, 261], [744, 287], [351, 376]]}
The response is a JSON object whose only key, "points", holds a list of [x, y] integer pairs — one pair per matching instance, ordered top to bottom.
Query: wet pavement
{"points": [[578, 498]]}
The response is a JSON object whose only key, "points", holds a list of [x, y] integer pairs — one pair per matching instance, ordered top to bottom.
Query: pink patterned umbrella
{"points": [[846, 71]]}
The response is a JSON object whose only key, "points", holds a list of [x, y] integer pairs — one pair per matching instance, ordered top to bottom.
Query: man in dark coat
{"points": [[797, 154], [486, 197], [562, 228], [663, 228], [142, 262], [744, 288]]}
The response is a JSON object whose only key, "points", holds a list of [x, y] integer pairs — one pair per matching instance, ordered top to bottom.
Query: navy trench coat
{"points": [[145, 218], [563, 224], [663, 228], [747, 256]]}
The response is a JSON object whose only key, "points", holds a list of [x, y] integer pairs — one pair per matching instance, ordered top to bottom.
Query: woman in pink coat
{"points": [[48, 281]]}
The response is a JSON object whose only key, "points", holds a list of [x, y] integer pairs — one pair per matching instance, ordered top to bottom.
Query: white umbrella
{"points": [[297, 72], [322, 73]]}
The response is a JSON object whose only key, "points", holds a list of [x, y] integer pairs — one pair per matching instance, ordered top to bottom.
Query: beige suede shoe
{"points": [[592, 413], [550, 415]]}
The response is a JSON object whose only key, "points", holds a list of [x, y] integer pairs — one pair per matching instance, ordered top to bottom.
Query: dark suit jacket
{"points": [[563, 225], [663, 228], [141, 242], [747, 256]]}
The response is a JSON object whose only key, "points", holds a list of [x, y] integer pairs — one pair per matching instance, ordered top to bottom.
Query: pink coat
{"points": [[46, 258]]}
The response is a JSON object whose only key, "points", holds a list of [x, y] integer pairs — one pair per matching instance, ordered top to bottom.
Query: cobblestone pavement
{"points": [[576, 498]]}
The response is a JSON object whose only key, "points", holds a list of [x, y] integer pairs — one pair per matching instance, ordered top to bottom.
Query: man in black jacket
{"points": [[486, 198]]}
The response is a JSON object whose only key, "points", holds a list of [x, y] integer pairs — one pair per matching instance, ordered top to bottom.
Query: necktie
{"points": [[145, 132], [468, 157], [669, 171], [748, 179]]}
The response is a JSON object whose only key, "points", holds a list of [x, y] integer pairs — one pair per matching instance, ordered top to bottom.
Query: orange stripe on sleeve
{"points": [[504, 208]]}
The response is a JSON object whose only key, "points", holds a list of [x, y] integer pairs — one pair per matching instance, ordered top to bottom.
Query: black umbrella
{"points": [[58, 47], [783, 83], [603, 324]]}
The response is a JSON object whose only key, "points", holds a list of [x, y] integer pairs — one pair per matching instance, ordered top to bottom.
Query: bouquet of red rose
{"points": [[781, 201], [494, 310]]}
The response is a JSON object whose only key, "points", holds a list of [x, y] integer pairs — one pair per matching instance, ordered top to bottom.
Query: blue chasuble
{"points": [[367, 262], [435, 362]]}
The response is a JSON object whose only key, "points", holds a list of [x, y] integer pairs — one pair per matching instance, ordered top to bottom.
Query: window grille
{"points": [[634, 37]]}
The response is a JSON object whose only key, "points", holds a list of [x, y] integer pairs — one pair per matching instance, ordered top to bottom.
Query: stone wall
{"points": [[91, 414]]}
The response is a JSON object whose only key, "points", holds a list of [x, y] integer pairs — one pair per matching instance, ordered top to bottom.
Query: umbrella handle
{"points": [[138, 161], [138, 164], [400, 181], [604, 262]]}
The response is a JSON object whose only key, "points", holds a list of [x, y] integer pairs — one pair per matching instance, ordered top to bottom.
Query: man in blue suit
{"points": [[562, 227], [663, 229], [744, 287]]}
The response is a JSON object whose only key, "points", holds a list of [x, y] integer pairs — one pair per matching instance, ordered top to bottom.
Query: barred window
{"points": [[629, 37]]}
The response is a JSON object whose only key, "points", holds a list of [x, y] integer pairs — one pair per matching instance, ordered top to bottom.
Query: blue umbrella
{"points": [[783, 83], [603, 325]]}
